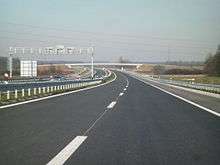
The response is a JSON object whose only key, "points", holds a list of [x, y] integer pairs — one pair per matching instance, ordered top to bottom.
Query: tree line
{"points": [[212, 64], [211, 67]]}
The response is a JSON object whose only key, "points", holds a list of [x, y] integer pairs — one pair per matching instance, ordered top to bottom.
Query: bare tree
{"points": [[212, 64]]}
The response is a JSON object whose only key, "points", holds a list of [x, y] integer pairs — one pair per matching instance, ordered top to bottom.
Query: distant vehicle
{"points": [[59, 77]]}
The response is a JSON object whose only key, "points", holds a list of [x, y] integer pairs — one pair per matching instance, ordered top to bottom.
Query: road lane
{"points": [[207, 101], [145, 126], [148, 126], [34, 133]]}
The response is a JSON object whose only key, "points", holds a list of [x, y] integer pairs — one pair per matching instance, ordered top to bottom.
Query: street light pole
{"points": [[10, 65], [92, 67]]}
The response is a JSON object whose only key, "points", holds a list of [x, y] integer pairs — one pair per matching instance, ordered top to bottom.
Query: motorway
{"points": [[35, 84], [20, 86], [125, 122]]}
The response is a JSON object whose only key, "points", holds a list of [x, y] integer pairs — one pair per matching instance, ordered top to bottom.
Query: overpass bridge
{"points": [[106, 64]]}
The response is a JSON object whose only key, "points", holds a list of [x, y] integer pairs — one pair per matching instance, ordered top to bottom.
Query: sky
{"points": [[137, 30]]}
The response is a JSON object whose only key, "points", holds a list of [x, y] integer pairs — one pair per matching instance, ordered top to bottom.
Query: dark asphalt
{"points": [[210, 102], [146, 126]]}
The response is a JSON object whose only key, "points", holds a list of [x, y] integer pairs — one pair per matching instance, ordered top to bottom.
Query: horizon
{"points": [[137, 30]]}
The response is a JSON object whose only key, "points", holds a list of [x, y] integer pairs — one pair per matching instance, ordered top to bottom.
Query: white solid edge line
{"points": [[57, 95], [181, 98], [111, 105], [66, 152]]}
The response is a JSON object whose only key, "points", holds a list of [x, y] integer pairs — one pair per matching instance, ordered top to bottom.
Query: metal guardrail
{"points": [[205, 87], [48, 89], [24, 93]]}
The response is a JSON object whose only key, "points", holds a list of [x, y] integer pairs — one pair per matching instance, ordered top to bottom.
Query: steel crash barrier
{"points": [[212, 88], [38, 91]]}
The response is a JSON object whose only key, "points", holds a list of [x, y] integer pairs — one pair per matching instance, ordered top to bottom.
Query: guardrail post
{"points": [[51, 88], [55, 88], [48, 89], [39, 90], [43, 90], [35, 91], [29, 92], [16, 93], [22, 93], [0, 95], [8, 95]]}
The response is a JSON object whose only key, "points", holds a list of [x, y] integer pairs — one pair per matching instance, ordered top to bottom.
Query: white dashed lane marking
{"points": [[121, 94], [111, 105], [66, 152]]}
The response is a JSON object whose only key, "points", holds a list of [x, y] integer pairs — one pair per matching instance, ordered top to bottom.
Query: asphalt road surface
{"points": [[123, 125]]}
